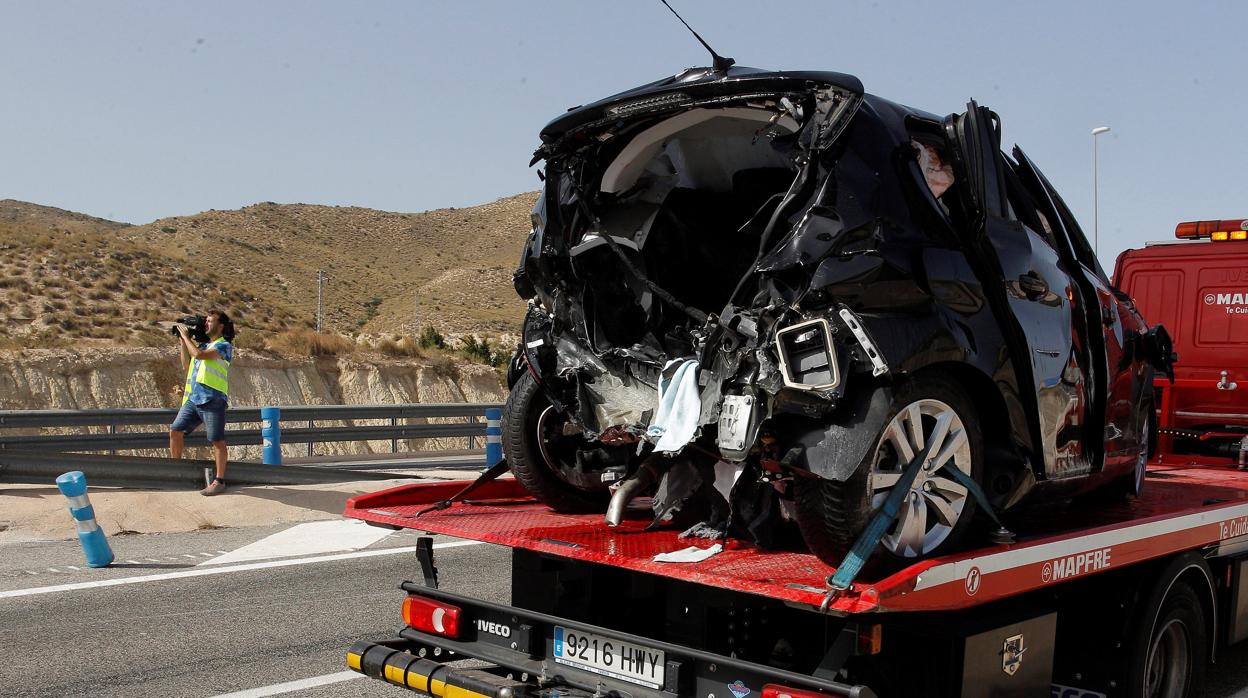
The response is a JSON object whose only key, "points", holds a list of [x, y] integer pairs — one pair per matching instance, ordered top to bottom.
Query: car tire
{"points": [[528, 451], [832, 514]]}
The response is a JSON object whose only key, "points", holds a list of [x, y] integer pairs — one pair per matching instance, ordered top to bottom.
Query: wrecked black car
{"points": [[760, 297]]}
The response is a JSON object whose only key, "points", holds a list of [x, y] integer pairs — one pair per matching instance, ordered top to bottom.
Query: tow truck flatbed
{"points": [[1181, 509]]}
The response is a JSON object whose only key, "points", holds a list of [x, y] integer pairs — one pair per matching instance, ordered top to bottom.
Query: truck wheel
{"points": [[537, 450], [937, 511], [1168, 661]]}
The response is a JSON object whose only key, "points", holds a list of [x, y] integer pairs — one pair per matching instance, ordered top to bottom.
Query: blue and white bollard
{"points": [[271, 433], [493, 437], [94, 544]]}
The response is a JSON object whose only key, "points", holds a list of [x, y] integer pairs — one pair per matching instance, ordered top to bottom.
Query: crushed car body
{"points": [[758, 296]]}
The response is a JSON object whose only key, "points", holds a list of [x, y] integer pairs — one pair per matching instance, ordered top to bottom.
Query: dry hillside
{"points": [[47, 218], [387, 272], [65, 276], [62, 285]]}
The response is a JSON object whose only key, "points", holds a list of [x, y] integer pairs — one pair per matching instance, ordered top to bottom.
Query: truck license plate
{"points": [[609, 657]]}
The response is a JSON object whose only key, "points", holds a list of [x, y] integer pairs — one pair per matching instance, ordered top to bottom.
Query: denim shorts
{"points": [[211, 414]]}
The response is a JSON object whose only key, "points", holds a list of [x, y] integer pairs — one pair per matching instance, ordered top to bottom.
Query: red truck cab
{"points": [[1197, 287]]}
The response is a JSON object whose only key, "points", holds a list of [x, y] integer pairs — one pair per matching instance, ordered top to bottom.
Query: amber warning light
{"points": [[1218, 231]]}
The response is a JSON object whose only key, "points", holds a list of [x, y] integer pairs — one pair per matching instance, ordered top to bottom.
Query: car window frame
{"points": [[1017, 196], [1078, 242]]}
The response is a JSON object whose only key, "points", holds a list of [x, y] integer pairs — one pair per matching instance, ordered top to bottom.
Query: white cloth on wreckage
{"points": [[680, 407]]}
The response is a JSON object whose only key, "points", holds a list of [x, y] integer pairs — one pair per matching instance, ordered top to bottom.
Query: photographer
{"points": [[206, 394]]}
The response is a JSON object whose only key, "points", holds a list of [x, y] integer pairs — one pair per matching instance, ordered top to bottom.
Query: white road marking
{"points": [[312, 538], [206, 554], [188, 555], [152, 559], [133, 562], [71, 567], [53, 569], [205, 571], [292, 686]]}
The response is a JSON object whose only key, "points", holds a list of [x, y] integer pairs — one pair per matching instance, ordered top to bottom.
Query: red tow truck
{"points": [[1197, 287], [1094, 597]]}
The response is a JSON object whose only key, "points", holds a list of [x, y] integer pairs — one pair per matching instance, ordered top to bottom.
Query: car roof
{"points": [[704, 82]]}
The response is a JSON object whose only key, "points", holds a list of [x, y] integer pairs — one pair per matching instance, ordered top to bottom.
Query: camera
{"points": [[195, 326]]}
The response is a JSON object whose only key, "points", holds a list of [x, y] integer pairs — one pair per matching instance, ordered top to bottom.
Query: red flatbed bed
{"points": [[1182, 508]]}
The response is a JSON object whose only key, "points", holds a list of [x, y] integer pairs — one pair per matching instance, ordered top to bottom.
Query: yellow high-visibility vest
{"points": [[214, 373]]}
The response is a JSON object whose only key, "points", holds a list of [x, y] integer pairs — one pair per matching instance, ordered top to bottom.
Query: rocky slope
{"points": [[96, 378]]}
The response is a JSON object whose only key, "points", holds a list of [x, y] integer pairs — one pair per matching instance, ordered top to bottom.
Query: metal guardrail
{"points": [[310, 414], [24, 419], [238, 437], [36, 457], [131, 471]]}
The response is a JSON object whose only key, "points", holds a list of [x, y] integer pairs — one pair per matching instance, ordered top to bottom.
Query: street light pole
{"points": [[1096, 213]]}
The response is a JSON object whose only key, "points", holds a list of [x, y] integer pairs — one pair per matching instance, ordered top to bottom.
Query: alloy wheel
{"points": [[549, 433], [935, 503]]}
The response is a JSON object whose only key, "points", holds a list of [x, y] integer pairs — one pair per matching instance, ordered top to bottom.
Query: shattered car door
{"points": [[1032, 296], [1115, 422]]}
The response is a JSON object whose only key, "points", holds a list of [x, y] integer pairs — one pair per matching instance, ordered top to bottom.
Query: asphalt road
{"points": [[245, 627], [213, 634]]}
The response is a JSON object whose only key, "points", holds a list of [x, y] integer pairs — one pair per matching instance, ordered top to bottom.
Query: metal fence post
{"points": [[311, 425], [271, 435], [493, 437], [394, 442], [74, 486]]}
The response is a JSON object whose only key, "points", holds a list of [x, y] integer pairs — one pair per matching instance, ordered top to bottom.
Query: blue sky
{"points": [[139, 110]]}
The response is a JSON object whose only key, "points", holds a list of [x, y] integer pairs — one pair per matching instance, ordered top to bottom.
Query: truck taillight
{"points": [[1213, 230], [431, 616], [772, 690]]}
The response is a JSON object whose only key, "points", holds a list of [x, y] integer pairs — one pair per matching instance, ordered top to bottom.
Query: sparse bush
{"points": [[370, 311], [252, 338], [430, 338], [310, 343], [400, 346], [480, 351], [441, 364]]}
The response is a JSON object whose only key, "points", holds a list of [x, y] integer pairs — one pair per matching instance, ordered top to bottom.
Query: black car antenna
{"points": [[719, 62]]}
